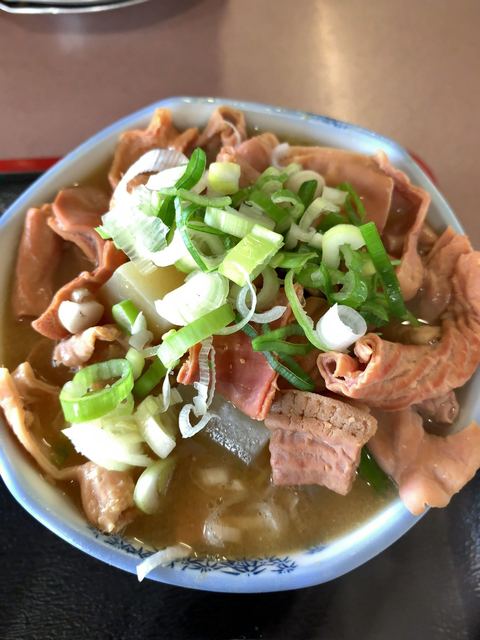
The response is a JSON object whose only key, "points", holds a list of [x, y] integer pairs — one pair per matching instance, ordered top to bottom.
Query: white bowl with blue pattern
{"points": [[52, 508]]}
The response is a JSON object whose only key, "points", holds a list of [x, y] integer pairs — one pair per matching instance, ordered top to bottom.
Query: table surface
{"points": [[408, 70]]}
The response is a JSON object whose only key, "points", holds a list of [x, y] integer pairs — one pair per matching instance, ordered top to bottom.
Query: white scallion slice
{"points": [[153, 160], [224, 177], [296, 180], [335, 196], [315, 210], [333, 240], [270, 288], [202, 292], [241, 305], [249, 314], [340, 327], [205, 387], [158, 429], [113, 451], [152, 484], [162, 559]]}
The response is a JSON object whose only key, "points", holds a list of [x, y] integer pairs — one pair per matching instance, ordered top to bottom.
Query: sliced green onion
{"points": [[193, 173], [223, 177], [297, 179], [307, 190], [240, 196], [335, 196], [195, 198], [353, 204], [295, 205], [316, 209], [273, 211], [254, 213], [182, 216], [330, 220], [229, 221], [199, 225], [296, 234], [138, 235], [335, 237], [249, 257], [292, 259], [384, 269], [270, 288], [354, 290], [198, 295], [374, 312], [125, 313], [301, 316], [340, 327], [293, 329], [176, 343], [283, 347], [137, 362], [291, 371], [149, 380], [80, 404], [158, 428], [115, 445], [373, 475], [152, 484]]}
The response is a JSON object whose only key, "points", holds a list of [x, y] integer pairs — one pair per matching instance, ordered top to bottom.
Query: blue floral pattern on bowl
{"points": [[233, 567]]}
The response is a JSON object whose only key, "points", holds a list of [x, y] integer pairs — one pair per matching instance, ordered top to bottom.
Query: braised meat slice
{"points": [[38, 257], [316, 440], [428, 469], [107, 496]]}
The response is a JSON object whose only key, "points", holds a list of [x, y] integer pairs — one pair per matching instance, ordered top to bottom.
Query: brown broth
{"points": [[306, 516]]}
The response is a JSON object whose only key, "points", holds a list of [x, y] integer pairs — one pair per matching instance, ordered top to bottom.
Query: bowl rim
{"points": [[344, 553]]}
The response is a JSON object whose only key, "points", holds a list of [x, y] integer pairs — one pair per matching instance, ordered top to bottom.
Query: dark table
{"points": [[426, 586]]}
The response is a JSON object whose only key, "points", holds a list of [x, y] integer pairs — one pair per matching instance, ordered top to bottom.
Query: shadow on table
{"points": [[117, 21]]}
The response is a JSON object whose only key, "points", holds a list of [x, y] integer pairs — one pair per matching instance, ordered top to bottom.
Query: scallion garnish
{"points": [[193, 173], [306, 193], [385, 271], [125, 313], [176, 343], [291, 370], [149, 380], [81, 402]]}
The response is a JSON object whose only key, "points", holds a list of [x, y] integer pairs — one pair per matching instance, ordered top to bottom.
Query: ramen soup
{"points": [[235, 346]]}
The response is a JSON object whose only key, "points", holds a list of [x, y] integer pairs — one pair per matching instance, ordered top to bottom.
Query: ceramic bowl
{"points": [[48, 505]]}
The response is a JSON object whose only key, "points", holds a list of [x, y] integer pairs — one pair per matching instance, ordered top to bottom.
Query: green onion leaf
{"points": [[193, 172], [306, 193], [353, 204], [273, 211], [182, 217], [292, 259], [385, 271], [354, 290], [301, 316], [291, 370], [149, 380]]}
